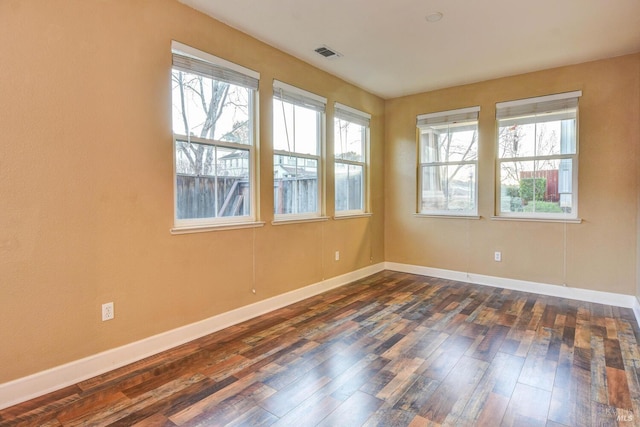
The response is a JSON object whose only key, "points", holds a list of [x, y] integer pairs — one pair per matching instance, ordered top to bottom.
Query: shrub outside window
{"points": [[298, 120], [213, 127], [351, 140], [538, 157], [448, 162]]}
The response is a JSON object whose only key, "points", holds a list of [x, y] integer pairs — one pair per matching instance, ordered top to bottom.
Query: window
{"points": [[298, 119], [214, 131], [351, 140], [538, 157], [448, 159]]}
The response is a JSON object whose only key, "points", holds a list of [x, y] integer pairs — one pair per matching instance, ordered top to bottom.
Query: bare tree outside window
{"points": [[211, 122], [448, 159]]}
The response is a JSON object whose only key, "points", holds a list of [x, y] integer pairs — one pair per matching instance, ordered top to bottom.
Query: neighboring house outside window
{"points": [[298, 123], [214, 133], [351, 142], [537, 158], [448, 162]]}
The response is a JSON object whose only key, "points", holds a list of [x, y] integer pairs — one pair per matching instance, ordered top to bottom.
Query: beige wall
{"points": [[87, 188], [598, 254]]}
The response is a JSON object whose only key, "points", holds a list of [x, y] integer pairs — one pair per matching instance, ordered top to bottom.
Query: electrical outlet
{"points": [[337, 255], [497, 256], [107, 311]]}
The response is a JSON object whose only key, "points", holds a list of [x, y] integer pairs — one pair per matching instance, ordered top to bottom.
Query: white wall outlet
{"points": [[337, 255], [497, 256], [107, 311]]}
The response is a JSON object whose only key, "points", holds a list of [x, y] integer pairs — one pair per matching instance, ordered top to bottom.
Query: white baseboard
{"points": [[609, 298], [636, 309], [38, 384], [32, 386]]}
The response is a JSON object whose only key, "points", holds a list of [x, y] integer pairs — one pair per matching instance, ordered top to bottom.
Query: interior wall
{"points": [[86, 183], [87, 186], [597, 254]]}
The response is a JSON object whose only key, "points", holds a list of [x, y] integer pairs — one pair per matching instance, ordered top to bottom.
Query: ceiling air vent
{"points": [[327, 52]]}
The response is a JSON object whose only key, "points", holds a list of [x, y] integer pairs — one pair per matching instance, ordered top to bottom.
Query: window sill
{"points": [[355, 215], [424, 215], [524, 218], [299, 220], [217, 227]]}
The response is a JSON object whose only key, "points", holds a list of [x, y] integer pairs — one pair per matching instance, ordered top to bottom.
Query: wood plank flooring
{"points": [[393, 349]]}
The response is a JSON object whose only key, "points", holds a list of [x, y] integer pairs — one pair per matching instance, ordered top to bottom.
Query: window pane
{"points": [[211, 109], [295, 128], [283, 129], [306, 131], [521, 138], [349, 141], [449, 143], [428, 147], [194, 159], [356, 174], [211, 181], [233, 182], [295, 185], [342, 186], [542, 186], [349, 187], [448, 188], [432, 197]]}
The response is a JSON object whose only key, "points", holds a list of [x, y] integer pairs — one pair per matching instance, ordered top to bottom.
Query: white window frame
{"points": [[189, 59], [301, 98], [528, 110], [349, 114], [450, 117]]}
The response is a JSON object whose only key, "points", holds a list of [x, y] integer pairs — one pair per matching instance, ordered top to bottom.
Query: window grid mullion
{"points": [[212, 142], [294, 154], [538, 158], [350, 162], [455, 163]]}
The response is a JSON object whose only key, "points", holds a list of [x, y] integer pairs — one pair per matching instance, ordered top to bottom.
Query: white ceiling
{"points": [[391, 50]]}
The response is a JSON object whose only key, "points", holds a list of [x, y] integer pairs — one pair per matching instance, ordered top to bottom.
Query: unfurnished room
{"points": [[331, 213]]}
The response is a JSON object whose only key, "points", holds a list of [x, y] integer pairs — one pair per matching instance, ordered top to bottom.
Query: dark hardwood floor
{"points": [[393, 349]]}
